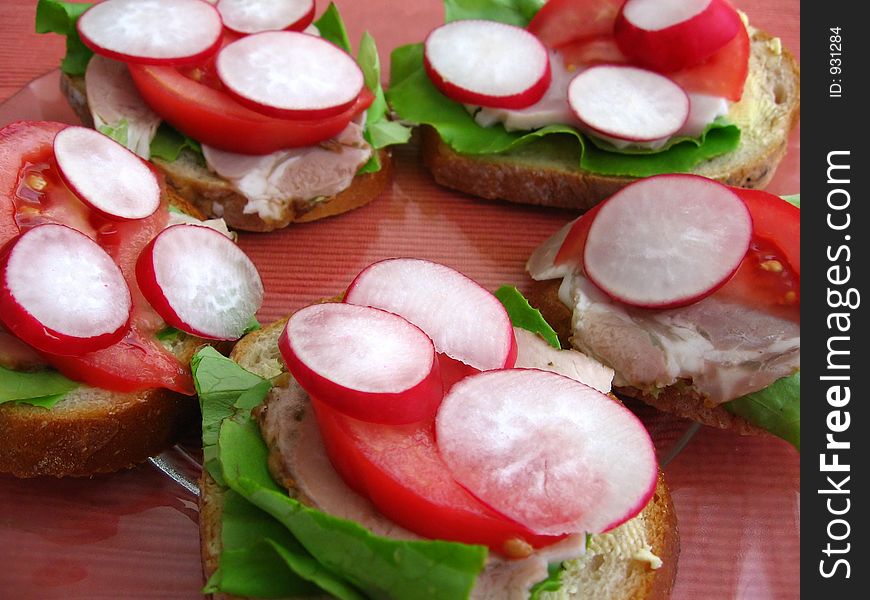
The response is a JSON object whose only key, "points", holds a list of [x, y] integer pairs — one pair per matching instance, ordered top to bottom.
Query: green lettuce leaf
{"points": [[514, 12], [53, 16], [332, 29], [415, 99], [379, 130], [117, 132], [168, 143], [794, 199], [524, 316], [222, 387], [39, 388], [776, 408], [342, 558], [249, 564], [553, 582]]}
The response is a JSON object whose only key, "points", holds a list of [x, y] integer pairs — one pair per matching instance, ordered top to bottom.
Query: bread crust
{"points": [[766, 115], [214, 195], [679, 400], [116, 433]]}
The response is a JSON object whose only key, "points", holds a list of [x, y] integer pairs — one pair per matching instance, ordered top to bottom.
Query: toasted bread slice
{"points": [[546, 172], [216, 197], [680, 400], [95, 431], [604, 573]]}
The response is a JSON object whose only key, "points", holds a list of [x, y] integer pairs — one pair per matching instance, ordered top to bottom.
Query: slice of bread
{"points": [[546, 172], [216, 197], [679, 400], [93, 431], [604, 573]]}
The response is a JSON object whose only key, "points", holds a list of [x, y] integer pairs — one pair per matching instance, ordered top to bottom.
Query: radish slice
{"points": [[254, 16], [154, 32], [669, 35], [487, 63], [290, 74], [628, 103], [105, 175], [667, 241], [200, 282], [62, 293], [464, 320], [367, 363], [549, 452]]}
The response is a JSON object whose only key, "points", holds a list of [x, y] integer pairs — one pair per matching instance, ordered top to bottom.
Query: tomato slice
{"points": [[562, 21], [598, 50], [723, 74], [212, 117], [31, 193], [777, 220], [571, 249], [769, 276], [400, 470]]}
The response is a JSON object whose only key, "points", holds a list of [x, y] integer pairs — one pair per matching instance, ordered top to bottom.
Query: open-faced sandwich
{"points": [[563, 103], [253, 113], [108, 285], [690, 291], [421, 439]]}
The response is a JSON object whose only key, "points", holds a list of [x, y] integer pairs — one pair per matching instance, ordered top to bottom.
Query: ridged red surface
{"points": [[134, 534]]}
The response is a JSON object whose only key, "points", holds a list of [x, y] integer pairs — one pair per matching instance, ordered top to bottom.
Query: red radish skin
{"points": [[255, 16], [561, 22], [154, 32], [669, 35], [487, 64], [290, 74], [628, 103], [105, 175], [667, 241], [200, 282], [61, 293], [464, 320], [364, 362], [540, 449]]}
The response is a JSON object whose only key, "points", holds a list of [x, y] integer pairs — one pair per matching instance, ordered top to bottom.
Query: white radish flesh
{"points": [[254, 16], [152, 31], [669, 35], [487, 63], [290, 74], [628, 103], [105, 175], [667, 241], [200, 282], [62, 293], [465, 321], [367, 363], [549, 452]]}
